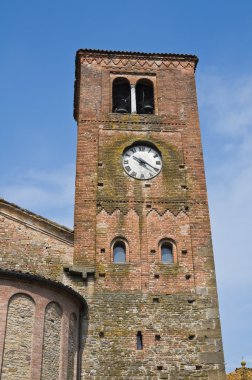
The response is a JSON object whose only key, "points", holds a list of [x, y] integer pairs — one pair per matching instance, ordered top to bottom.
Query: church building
{"points": [[130, 293]]}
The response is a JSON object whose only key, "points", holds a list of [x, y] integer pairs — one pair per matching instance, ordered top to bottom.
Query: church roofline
{"points": [[36, 222], [35, 277]]}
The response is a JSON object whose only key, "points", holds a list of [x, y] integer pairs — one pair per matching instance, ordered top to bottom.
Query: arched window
{"points": [[121, 96], [144, 97], [119, 252], [167, 253]]}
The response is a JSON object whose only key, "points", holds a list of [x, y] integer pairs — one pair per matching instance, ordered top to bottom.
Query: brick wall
{"points": [[30, 243], [176, 301]]}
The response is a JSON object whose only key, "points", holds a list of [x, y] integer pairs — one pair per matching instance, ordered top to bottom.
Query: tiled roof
{"points": [[240, 374]]}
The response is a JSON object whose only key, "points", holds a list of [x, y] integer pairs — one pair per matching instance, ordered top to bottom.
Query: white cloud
{"points": [[231, 101], [227, 114], [226, 119], [48, 193]]}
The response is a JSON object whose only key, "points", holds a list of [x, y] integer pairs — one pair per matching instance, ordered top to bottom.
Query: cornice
{"points": [[115, 55], [138, 63], [121, 120], [26, 276]]}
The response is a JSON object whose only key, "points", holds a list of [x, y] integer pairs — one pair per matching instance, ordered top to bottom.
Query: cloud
{"points": [[231, 100], [227, 114], [226, 120], [49, 193]]}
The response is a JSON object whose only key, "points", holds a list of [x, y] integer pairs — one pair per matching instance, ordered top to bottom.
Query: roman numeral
{"points": [[141, 148], [133, 150], [128, 155], [156, 155], [125, 162], [158, 162], [128, 168], [156, 170], [133, 174], [150, 174], [142, 176]]}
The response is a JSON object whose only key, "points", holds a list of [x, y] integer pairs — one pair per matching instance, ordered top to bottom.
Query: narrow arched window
{"points": [[121, 96], [144, 97], [119, 252], [167, 253], [139, 340]]}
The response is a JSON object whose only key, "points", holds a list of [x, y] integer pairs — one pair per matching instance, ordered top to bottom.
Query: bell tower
{"points": [[142, 231]]}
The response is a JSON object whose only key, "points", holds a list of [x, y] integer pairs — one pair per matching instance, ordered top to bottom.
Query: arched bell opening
{"points": [[121, 96], [144, 97]]}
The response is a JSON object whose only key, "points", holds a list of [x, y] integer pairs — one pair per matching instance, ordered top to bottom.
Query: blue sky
{"points": [[38, 134]]}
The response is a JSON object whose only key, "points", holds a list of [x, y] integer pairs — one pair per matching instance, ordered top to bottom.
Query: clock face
{"points": [[142, 162]]}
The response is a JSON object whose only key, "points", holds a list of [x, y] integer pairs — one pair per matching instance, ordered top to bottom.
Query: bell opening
{"points": [[121, 96], [145, 97]]}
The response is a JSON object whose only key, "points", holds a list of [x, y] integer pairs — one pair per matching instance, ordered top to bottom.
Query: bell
{"points": [[144, 95], [121, 96], [122, 105], [147, 108]]}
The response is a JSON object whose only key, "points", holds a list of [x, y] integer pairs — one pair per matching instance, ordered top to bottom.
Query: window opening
{"points": [[121, 96], [145, 97], [119, 252], [167, 253], [191, 337], [139, 340]]}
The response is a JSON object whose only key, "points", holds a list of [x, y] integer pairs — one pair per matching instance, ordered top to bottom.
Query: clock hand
{"points": [[139, 160], [145, 163]]}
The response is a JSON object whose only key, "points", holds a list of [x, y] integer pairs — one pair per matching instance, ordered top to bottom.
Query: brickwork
{"points": [[31, 243], [178, 301]]}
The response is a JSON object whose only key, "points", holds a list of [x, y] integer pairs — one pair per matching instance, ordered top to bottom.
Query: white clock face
{"points": [[142, 162]]}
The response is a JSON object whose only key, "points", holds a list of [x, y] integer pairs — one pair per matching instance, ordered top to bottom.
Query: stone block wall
{"points": [[39, 328]]}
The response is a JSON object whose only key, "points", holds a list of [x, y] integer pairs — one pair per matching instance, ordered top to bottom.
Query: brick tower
{"points": [[142, 232]]}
